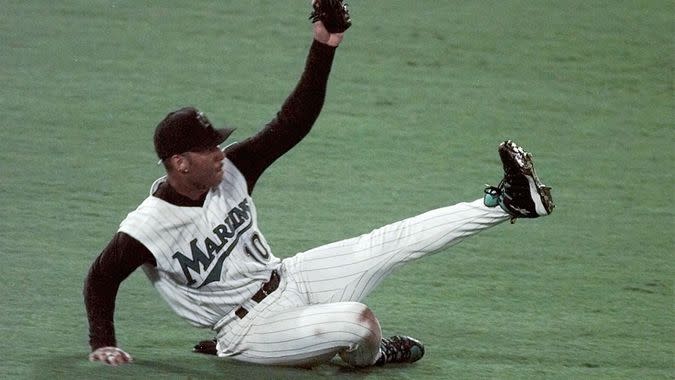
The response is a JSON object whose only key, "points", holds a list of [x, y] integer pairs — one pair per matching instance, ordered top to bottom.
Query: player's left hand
{"points": [[208, 347], [112, 356]]}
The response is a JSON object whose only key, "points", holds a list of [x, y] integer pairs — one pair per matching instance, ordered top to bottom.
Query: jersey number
{"points": [[257, 249]]}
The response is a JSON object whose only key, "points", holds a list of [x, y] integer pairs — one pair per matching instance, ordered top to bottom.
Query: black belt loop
{"points": [[265, 289], [241, 312]]}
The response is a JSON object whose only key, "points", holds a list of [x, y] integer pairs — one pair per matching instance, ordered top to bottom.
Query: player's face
{"points": [[205, 168]]}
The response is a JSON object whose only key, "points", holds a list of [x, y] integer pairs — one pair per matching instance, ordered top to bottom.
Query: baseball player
{"points": [[197, 239]]}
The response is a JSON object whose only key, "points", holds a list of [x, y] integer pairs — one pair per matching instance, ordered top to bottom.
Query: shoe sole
{"points": [[522, 160]]}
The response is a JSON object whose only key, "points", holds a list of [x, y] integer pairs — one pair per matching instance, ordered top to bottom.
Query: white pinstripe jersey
{"points": [[210, 259]]}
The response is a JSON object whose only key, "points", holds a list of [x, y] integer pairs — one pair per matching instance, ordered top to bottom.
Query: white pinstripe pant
{"points": [[316, 311]]}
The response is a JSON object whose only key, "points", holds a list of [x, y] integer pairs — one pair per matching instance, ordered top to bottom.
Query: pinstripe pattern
{"points": [[166, 230], [349, 270], [315, 314], [284, 329]]}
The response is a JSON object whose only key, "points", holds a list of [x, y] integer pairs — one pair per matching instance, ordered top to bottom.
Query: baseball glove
{"points": [[334, 15]]}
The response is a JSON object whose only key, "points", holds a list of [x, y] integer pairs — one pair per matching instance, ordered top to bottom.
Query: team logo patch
{"points": [[206, 264]]}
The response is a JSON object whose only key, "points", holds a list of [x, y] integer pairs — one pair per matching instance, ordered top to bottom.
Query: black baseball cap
{"points": [[187, 130]]}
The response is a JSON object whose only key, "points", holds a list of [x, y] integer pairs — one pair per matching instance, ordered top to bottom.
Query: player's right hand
{"points": [[111, 356]]}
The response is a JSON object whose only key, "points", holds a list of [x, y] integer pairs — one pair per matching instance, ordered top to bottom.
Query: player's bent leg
{"points": [[311, 335]]}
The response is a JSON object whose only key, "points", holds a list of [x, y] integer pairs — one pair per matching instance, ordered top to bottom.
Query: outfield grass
{"points": [[420, 95]]}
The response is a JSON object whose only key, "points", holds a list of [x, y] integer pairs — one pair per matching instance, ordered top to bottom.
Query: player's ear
{"points": [[179, 163]]}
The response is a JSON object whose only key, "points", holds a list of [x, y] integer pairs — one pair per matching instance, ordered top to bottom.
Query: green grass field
{"points": [[420, 95]]}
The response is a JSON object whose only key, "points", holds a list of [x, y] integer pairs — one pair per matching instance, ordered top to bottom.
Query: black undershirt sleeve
{"points": [[291, 124], [117, 261]]}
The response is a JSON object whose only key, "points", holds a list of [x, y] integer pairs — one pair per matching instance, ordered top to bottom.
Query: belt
{"points": [[265, 290]]}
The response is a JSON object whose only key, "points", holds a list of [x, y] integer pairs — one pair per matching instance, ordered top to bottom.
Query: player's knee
{"points": [[369, 318], [370, 326], [364, 350]]}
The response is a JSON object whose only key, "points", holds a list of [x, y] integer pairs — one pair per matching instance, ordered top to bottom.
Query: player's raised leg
{"points": [[349, 270]]}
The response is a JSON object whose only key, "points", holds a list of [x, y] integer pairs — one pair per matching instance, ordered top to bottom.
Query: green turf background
{"points": [[420, 95]]}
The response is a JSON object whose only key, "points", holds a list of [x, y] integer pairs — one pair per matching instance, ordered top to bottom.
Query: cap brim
{"points": [[224, 133], [217, 137]]}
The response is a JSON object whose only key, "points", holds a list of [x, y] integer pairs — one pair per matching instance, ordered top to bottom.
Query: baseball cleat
{"points": [[520, 193], [400, 349]]}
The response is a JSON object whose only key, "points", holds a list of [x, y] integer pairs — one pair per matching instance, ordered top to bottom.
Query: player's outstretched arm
{"points": [[301, 108], [109, 355]]}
